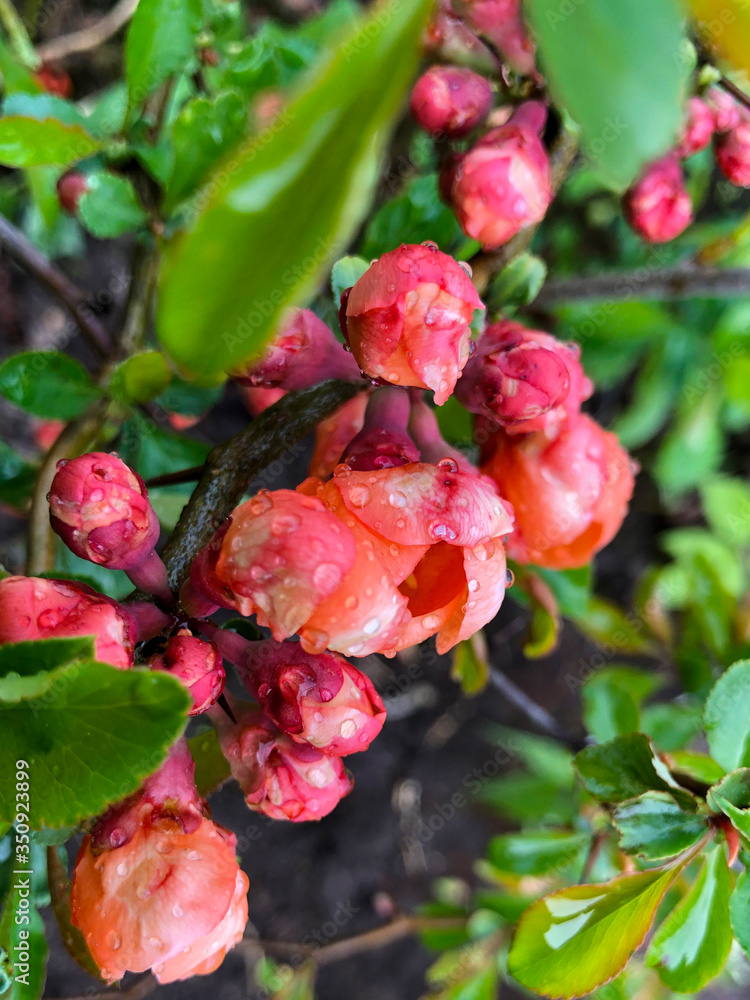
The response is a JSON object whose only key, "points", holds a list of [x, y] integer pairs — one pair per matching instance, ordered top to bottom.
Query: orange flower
{"points": [[570, 495]]}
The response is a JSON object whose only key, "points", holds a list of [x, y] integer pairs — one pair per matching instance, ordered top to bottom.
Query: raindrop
{"points": [[448, 464], [342, 470], [360, 496], [397, 499], [262, 502], [441, 532], [327, 577], [510, 578], [473, 586], [351, 602], [371, 626], [348, 728]]}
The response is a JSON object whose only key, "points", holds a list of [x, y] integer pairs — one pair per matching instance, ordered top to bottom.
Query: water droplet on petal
{"points": [[448, 464], [342, 470], [360, 496], [397, 499], [261, 502], [441, 532], [327, 577], [509, 577], [473, 586], [351, 602], [371, 627], [348, 728], [177, 910], [113, 940]]}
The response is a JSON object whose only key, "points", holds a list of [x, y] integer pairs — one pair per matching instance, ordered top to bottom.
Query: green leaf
{"points": [[160, 43], [627, 97], [203, 132], [28, 141], [292, 201], [110, 206], [344, 273], [517, 285], [140, 377], [47, 384], [191, 400], [693, 448], [154, 452], [17, 477], [727, 506], [571, 588], [608, 625], [39, 655], [470, 667], [611, 700], [726, 717], [671, 725], [89, 739], [545, 757], [211, 766], [698, 766], [624, 768], [731, 796], [527, 799], [654, 826], [536, 852], [739, 912], [572, 941], [23, 942], [693, 943], [467, 973]]}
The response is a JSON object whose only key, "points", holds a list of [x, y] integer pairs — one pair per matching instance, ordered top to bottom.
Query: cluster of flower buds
{"points": [[501, 23], [450, 101], [658, 206], [567, 479], [100, 509], [156, 884]]}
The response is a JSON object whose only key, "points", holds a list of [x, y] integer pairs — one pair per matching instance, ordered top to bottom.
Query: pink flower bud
{"points": [[501, 22], [450, 40], [450, 100], [726, 110], [697, 129], [733, 153], [503, 184], [71, 187], [658, 206], [408, 316], [304, 353], [524, 380], [257, 399], [46, 432], [334, 433], [383, 441], [570, 495], [280, 555], [32, 608], [197, 664], [317, 699], [280, 778], [163, 890]]}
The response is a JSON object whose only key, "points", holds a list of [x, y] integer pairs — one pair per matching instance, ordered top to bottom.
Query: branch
{"points": [[91, 37], [734, 90], [486, 264], [680, 282], [71, 297], [231, 467], [534, 712]]}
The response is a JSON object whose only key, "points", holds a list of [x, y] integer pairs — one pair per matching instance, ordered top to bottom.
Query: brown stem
{"points": [[90, 37], [735, 91], [486, 264], [71, 297], [231, 467], [191, 475], [533, 711], [74, 941]]}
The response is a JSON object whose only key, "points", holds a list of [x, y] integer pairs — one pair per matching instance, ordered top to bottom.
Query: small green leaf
{"points": [[160, 42], [627, 97], [203, 132], [29, 142], [292, 201], [110, 206], [344, 273], [517, 285], [140, 377], [48, 384], [191, 400], [693, 448], [154, 452], [17, 477], [727, 506], [571, 588], [607, 624], [39, 655], [470, 667], [611, 699], [726, 717], [672, 725], [89, 739], [211, 766], [698, 766], [624, 768], [731, 796], [655, 827], [536, 852], [739, 912], [572, 941], [693, 943], [467, 973]]}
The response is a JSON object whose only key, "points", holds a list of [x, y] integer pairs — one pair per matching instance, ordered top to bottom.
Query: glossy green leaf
{"points": [[160, 42], [627, 97], [204, 131], [29, 142], [292, 201], [110, 206], [344, 273], [516, 285], [140, 378], [47, 383], [191, 400], [154, 452], [571, 588], [543, 633], [39, 655], [470, 667], [611, 700], [726, 717], [672, 725], [89, 738], [211, 766], [698, 766], [624, 768], [731, 796], [655, 827], [536, 852], [739, 912], [572, 941], [693, 943]]}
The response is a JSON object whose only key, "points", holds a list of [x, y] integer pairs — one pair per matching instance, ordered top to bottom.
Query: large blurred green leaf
{"points": [[617, 67], [293, 199]]}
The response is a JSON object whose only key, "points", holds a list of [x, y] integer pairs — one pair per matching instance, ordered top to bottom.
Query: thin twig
{"points": [[92, 36], [735, 91], [679, 282], [71, 297], [231, 467], [175, 478], [534, 712]]}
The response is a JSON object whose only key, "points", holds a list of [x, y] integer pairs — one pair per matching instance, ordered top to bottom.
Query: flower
{"points": [[501, 22], [450, 100], [726, 111], [697, 129], [732, 151], [503, 183], [658, 206], [407, 319], [304, 353], [525, 380], [334, 432], [384, 440], [570, 495], [100, 509], [32, 608], [196, 664], [317, 699], [280, 778], [156, 884]]}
